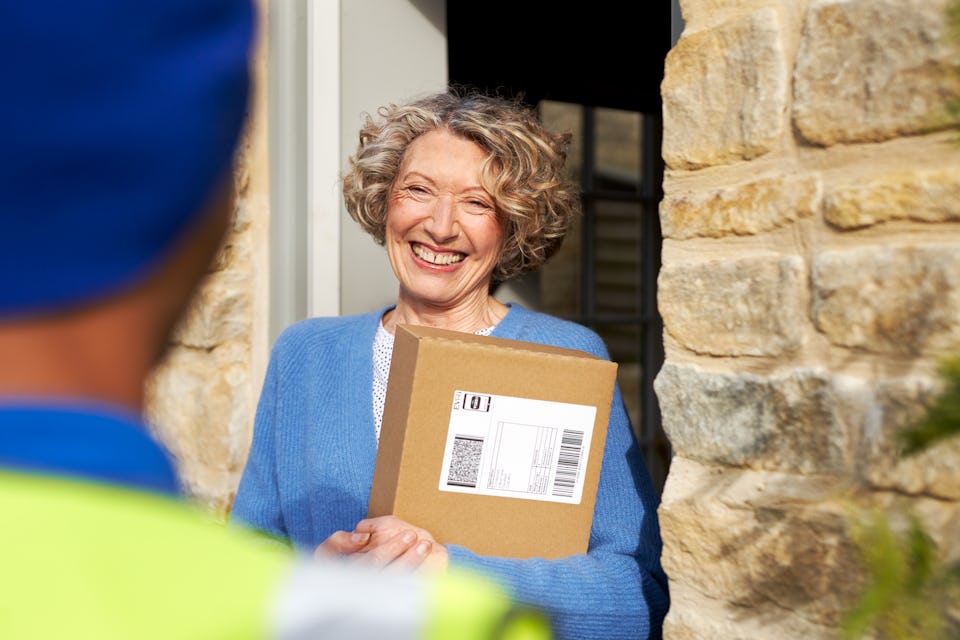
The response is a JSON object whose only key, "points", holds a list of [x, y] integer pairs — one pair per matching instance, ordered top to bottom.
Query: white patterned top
{"points": [[382, 353]]}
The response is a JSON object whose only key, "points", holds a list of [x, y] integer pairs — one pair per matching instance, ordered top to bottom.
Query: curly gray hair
{"points": [[524, 170]]}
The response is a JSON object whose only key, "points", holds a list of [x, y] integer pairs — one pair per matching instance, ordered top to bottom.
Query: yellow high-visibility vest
{"points": [[89, 561]]}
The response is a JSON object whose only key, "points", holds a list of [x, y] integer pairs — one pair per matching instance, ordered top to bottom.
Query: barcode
{"points": [[571, 445], [465, 461]]}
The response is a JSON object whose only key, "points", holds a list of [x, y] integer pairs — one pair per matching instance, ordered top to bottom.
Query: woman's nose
{"points": [[442, 223]]}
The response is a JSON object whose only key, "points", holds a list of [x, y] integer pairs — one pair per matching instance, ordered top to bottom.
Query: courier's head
{"points": [[118, 126]]}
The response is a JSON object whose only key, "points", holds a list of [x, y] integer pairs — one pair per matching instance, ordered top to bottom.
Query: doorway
{"points": [[590, 72]]}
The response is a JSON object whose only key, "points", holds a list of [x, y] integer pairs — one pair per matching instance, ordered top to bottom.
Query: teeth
{"points": [[436, 258]]}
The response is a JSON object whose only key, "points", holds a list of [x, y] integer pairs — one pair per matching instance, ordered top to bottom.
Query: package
{"points": [[493, 444]]}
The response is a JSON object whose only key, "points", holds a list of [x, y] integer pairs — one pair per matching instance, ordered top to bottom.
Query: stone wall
{"points": [[810, 281], [201, 400]]}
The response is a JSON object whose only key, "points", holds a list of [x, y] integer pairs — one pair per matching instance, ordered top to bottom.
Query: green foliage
{"points": [[953, 21], [953, 38], [943, 418], [910, 588], [911, 592]]}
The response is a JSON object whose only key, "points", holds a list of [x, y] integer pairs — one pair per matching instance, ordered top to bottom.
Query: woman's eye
{"points": [[418, 192], [478, 206]]}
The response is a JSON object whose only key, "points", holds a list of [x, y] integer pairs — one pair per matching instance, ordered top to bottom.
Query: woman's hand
{"points": [[387, 541]]}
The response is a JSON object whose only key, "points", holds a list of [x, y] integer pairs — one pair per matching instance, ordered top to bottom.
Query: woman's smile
{"points": [[436, 257]]}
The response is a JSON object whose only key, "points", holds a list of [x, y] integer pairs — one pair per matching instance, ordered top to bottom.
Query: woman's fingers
{"points": [[382, 523], [386, 541], [342, 543], [397, 547], [426, 553], [415, 556]]}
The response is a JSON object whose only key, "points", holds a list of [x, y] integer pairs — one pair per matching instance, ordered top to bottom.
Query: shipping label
{"points": [[517, 447]]}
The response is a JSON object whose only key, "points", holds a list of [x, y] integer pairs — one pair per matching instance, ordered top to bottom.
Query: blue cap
{"points": [[118, 119]]}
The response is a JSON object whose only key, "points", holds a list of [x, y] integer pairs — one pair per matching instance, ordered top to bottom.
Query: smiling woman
{"points": [[464, 191], [443, 237]]}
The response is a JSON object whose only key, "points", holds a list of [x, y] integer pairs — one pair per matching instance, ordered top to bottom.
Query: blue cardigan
{"points": [[310, 469]]}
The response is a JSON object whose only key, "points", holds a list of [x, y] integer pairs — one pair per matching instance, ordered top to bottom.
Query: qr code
{"points": [[465, 461]]}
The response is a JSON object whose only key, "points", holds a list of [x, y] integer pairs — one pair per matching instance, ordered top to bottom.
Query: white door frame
{"points": [[329, 62]]}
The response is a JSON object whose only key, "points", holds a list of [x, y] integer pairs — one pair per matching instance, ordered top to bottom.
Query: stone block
{"points": [[705, 14], [870, 70], [725, 92], [927, 195], [744, 209], [889, 299], [748, 306], [219, 312], [199, 406], [800, 421], [934, 471], [753, 552]]}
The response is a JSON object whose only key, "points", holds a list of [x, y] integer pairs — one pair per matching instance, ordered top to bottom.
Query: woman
{"points": [[464, 191]]}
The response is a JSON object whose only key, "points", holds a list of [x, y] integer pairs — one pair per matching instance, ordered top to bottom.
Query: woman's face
{"points": [[443, 237]]}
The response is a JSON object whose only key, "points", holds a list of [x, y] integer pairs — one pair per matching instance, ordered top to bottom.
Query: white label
{"points": [[517, 448]]}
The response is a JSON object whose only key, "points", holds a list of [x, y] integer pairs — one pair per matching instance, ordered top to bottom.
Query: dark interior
{"points": [[602, 53]]}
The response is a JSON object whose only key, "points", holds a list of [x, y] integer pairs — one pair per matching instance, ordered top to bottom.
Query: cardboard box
{"points": [[493, 444]]}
